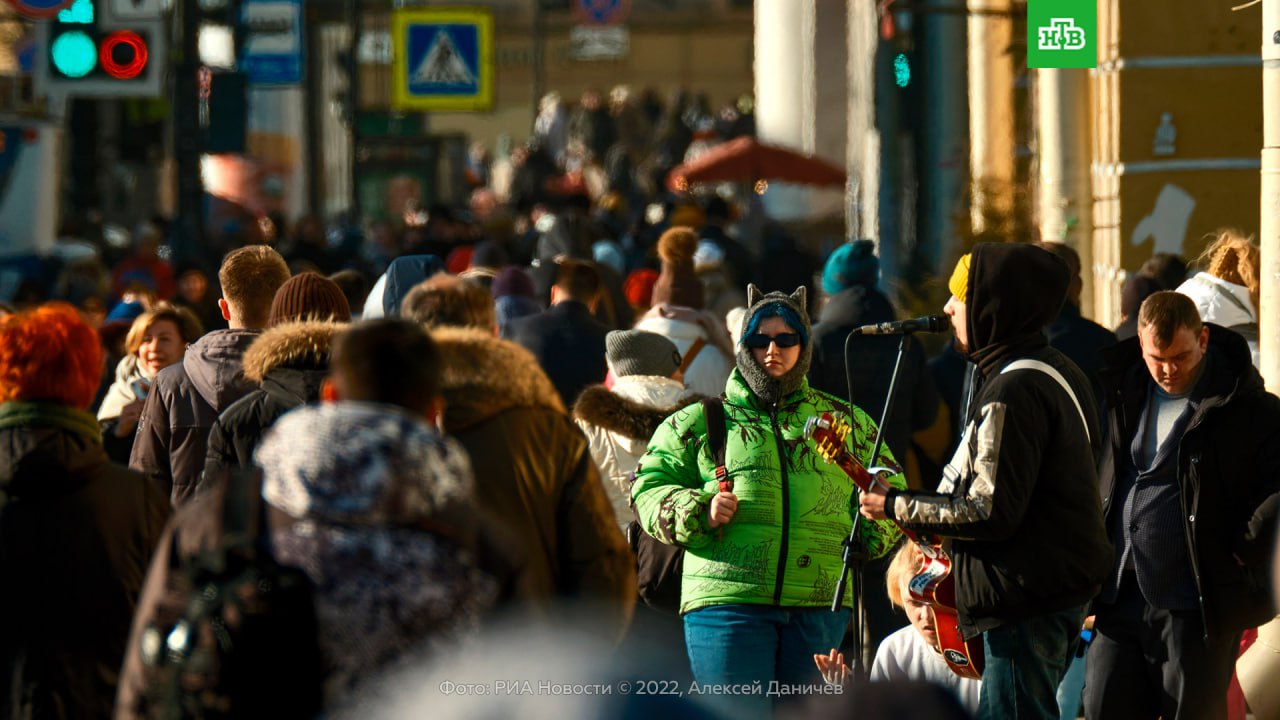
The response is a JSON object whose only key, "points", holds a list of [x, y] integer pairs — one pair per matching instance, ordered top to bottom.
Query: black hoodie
{"points": [[1020, 494]]}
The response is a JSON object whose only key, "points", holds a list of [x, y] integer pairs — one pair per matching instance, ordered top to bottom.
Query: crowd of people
{"points": [[406, 442]]}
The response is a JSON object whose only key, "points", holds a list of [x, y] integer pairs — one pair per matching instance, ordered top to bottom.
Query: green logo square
{"points": [[1062, 34]]}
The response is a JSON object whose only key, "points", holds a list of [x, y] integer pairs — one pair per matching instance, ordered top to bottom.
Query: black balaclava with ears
{"points": [[773, 390]]}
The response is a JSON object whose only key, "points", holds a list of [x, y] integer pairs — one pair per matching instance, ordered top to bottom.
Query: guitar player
{"points": [[1019, 499]]}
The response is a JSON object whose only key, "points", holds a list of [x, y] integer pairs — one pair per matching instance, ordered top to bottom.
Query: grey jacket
{"points": [[173, 433]]}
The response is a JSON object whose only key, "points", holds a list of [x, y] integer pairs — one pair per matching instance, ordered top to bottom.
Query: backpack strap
{"points": [[688, 359], [1051, 371], [713, 410], [244, 513]]}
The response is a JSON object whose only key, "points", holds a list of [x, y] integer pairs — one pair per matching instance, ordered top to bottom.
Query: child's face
{"points": [[920, 614]]}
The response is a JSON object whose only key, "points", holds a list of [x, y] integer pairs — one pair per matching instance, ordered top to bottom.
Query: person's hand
{"points": [[128, 420], [872, 502], [723, 507], [1088, 622], [832, 667]]}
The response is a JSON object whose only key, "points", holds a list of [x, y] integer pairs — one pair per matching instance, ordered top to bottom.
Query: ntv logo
{"points": [[1062, 34]]}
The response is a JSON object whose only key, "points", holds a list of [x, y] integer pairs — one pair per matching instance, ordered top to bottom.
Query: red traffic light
{"points": [[123, 54]]}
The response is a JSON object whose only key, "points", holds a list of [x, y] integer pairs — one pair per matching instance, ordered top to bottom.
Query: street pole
{"points": [[352, 10], [539, 78], [991, 120], [943, 146], [863, 147], [1066, 194], [189, 238], [1269, 312]]}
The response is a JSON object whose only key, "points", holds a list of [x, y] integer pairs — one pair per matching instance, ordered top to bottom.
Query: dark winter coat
{"points": [[1082, 340], [569, 345], [871, 359], [288, 362], [173, 432], [534, 473], [1228, 474], [377, 509], [76, 534], [1028, 536]]}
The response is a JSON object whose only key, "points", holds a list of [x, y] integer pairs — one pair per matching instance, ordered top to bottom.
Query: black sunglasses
{"points": [[760, 341]]}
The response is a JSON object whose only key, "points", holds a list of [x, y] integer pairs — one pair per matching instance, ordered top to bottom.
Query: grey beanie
{"points": [[638, 352]]}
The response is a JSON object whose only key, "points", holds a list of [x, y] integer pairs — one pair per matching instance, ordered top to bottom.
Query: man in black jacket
{"points": [[566, 339], [187, 397], [1190, 485], [1028, 546]]}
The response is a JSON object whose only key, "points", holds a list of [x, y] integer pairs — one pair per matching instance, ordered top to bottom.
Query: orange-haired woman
{"points": [[76, 532]]}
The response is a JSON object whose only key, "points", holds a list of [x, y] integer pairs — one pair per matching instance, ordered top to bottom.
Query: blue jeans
{"points": [[747, 644], [1025, 663]]}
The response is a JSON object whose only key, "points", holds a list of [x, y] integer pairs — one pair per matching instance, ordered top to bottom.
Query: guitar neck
{"points": [[860, 477]]}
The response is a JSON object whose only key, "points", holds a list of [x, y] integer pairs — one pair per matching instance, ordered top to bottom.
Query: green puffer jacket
{"points": [[783, 546]]}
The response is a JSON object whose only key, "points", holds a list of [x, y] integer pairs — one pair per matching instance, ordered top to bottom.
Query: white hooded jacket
{"points": [[1226, 304]]}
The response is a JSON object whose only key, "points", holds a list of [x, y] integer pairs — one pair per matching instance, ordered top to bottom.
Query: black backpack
{"points": [[659, 566], [235, 634]]}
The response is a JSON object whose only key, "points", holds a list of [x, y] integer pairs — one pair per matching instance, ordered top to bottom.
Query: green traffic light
{"points": [[80, 12], [74, 54], [901, 70]]}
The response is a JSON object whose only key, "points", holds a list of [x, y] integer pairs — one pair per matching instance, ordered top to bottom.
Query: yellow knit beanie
{"points": [[959, 283]]}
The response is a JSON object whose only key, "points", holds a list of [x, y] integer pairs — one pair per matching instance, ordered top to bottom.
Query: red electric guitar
{"points": [[934, 583]]}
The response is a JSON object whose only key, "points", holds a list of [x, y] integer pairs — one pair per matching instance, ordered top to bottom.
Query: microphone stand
{"points": [[855, 559]]}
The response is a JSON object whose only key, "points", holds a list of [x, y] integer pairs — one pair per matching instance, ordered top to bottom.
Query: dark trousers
{"points": [[1146, 663]]}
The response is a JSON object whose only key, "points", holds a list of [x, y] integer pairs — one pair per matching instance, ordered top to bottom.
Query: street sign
{"points": [[39, 9], [127, 11], [602, 12], [599, 42], [273, 46], [443, 59]]}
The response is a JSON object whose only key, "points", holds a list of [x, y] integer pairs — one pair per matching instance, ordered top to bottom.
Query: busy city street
{"points": [[706, 359]]}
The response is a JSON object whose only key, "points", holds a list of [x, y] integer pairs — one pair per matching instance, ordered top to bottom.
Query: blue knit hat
{"points": [[851, 264]]}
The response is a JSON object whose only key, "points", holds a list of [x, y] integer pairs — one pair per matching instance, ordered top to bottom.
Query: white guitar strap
{"points": [[1047, 369]]}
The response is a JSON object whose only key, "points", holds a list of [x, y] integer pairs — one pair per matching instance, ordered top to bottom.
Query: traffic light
{"points": [[83, 55]]}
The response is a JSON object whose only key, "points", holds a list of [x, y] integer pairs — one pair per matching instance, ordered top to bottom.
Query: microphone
{"points": [[928, 323]]}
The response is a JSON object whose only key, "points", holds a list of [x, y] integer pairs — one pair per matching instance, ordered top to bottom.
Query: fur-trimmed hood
{"points": [[302, 345], [481, 376], [611, 411]]}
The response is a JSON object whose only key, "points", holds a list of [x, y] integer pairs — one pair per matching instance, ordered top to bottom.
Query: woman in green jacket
{"points": [[764, 552]]}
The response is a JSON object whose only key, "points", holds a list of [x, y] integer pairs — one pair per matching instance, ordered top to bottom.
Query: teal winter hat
{"points": [[851, 264]]}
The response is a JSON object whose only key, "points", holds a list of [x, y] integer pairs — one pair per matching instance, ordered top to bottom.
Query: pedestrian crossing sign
{"points": [[442, 59]]}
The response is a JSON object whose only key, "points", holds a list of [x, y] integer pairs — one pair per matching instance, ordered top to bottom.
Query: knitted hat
{"points": [[687, 216], [489, 254], [610, 254], [708, 257], [458, 259], [851, 264], [512, 281], [959, 283], [678, 284], [639, 287], [309, 295], [759, 306], [125, 311], [638, 352]]}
